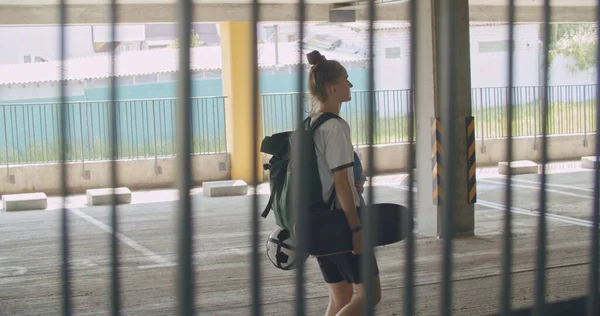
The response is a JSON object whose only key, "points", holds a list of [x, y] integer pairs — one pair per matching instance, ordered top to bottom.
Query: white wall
{"points": [[45, 41], [490, 69]]}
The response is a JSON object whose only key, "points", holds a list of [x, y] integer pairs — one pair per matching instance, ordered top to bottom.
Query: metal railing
{"points": [[571, 111], [145, 129], [29, 132]]}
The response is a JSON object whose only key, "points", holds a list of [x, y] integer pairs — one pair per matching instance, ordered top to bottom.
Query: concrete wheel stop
{"points": [[589, 162], [518, 167], [225, 188], [103, 196], [24, 202]]}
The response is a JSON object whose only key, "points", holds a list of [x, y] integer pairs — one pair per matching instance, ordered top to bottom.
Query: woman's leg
{"points": [[351, 269], [340, 291], [340, 294], [357, 304]]}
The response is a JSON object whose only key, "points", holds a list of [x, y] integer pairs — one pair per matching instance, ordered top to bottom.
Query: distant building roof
{"points": [[145, 62]]}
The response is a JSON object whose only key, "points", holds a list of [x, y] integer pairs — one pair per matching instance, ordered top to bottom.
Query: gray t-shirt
{"points": [[334, 152]]}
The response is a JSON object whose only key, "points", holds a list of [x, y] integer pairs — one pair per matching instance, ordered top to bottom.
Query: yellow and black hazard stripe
{"points": [[436, 160], [471, 166]]}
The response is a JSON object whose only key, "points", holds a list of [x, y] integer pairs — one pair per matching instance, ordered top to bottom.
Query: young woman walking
{"points": [[329, 87]]}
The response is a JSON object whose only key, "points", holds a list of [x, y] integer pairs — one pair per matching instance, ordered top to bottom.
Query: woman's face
{"points": [[341, 90]]}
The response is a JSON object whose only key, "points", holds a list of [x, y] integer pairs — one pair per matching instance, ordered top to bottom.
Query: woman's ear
{"points": [[331, 88]]}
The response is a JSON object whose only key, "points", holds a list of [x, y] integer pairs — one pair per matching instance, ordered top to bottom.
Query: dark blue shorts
{"points": [[344, 267]]}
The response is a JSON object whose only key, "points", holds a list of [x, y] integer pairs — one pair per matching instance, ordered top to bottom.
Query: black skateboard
{"points": [[329, 232]]}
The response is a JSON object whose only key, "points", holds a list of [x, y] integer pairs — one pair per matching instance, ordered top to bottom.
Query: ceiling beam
{"points": [[155, 13], [210, 13], [487, 13]]}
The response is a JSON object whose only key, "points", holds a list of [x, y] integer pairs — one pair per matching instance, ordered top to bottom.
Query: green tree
{"points": [[195, 40], [575, 40]]}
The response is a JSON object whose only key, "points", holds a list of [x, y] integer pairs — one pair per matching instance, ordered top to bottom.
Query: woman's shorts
{"points": [[344, 267]]}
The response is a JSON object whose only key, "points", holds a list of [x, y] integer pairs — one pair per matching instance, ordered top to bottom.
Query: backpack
{"points": [[281, 175]]}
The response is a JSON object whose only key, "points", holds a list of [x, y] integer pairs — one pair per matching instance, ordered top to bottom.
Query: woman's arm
{"points": [[338, 155], [343, 190], [345, 197]]}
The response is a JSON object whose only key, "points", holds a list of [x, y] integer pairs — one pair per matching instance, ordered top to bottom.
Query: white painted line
{"points": [[554, 185], [537, 188], [517, 210], [560, 218], [128, 241], [154, 266], [12, 271]]}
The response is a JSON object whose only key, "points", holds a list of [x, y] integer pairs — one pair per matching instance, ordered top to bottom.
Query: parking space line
{"points": [[537, 188], [574, 188], [517, 210], [159, 260]]}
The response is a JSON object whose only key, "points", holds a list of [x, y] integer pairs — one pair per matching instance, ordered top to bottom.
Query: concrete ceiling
{"points": [[570, 3], [46, 12]]}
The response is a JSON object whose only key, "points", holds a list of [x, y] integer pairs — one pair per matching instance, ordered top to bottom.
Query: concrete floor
{"points": [[30, 281]]}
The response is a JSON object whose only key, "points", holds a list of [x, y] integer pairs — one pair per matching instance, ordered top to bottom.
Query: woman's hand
{"points": [[360, 186], [356, 242]]}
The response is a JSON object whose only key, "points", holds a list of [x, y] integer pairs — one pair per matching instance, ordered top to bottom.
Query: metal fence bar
{"points": [[447, 103], [64, 144], [114, 147], [300, 162], [368, 219], [507, 242], [541, 257], [185, 270], [256, 275], [409, 279], [593, 299]]}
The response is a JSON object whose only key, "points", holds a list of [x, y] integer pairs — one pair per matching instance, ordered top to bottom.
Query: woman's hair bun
{"points": [[315, 58]]}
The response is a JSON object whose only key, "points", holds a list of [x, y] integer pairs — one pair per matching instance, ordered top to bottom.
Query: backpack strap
{"points": [[324, 117], [268, 207]]}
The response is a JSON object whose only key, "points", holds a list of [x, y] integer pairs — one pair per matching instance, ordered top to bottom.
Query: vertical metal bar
{"points": [[446, 24], [22, 107], [25, 125], [31, 128], [145, 128], [154, 131], [15, 133], [45, 133], [135, 135], [5, 138], [92, 138], [200, 140], [81, 150], [299, 161], [368, 218], [507, 244], [185, 271], [409, 274], [66, 278], [540, 279], [256, 284], [115, 286], [592, 308]]}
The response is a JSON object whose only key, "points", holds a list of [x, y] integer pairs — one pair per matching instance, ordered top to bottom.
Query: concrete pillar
{"points": [[236, 73], [428, 109]]}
